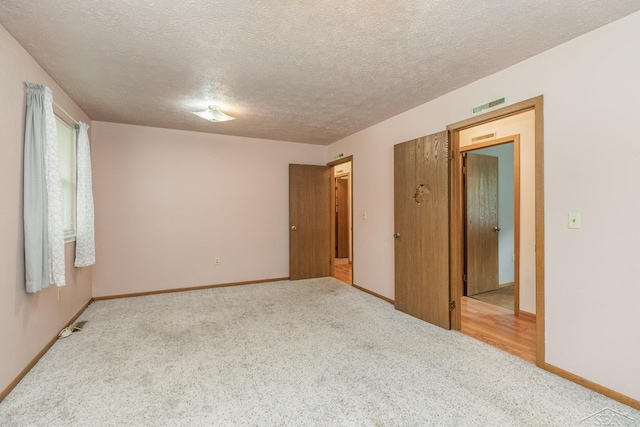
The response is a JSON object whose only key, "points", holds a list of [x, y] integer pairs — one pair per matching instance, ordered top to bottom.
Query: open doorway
{"points": [[491, 186], [313, 219], [342, 220], [491, 301], [518, 328]]}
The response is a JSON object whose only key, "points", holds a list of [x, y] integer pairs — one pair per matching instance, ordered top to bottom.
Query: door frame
{"points": [[515, 139], [333, 165], [456, 217]]}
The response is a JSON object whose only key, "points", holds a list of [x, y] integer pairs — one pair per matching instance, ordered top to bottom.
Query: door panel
{"points": [[421, 210], [342, 218], [481, 223], [310, 253]]}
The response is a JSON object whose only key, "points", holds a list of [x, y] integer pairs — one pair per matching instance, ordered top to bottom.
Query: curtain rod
{"points": [[65, 113]]}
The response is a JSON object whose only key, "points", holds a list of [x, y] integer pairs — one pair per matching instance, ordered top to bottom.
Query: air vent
{"points": [[489, 105], [491, 135]]}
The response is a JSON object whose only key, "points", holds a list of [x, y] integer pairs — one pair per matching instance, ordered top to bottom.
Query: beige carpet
{"points": [[502, 297], [306, 353]]}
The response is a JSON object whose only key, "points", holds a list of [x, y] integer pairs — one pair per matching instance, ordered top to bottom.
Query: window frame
{"points": [[69, 235]]}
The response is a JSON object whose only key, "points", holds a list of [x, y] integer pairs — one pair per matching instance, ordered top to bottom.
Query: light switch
{"points": [[574, 219]]}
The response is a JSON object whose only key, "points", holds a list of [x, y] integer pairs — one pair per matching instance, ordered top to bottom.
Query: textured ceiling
{"points": [[292, 70]]}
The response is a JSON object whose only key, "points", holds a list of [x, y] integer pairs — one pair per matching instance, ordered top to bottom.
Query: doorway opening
{"points": [[491, 190], [342, 219], [519, 330]]}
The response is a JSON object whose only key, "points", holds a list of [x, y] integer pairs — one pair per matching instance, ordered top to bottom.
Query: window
{"points": [[67, 152]]}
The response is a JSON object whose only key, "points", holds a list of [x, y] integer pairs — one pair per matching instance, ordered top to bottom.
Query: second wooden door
{"points": [[421, 206], [342, 218], [482, 227]]}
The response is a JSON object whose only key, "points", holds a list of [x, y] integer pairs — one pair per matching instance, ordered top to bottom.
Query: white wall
{"points": [[590, 86], [169, 202]]}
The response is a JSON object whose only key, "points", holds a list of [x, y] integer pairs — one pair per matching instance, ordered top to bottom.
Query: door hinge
{"points": [[464, 278], [452, 305]]}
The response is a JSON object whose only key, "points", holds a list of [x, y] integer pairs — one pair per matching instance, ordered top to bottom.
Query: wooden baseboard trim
{"points": [[194, 288], [390, 301], [527, 316], [42, 352], [593, 386]]}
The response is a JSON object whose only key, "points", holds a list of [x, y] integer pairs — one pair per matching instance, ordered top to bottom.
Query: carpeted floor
{"points": [[502, 297], [306, 353]]}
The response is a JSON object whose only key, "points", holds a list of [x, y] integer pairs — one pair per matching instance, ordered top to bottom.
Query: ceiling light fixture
{"points": [[213, 114]]}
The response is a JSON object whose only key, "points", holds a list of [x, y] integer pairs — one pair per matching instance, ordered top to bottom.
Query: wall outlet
{"points": [[217, 261]]}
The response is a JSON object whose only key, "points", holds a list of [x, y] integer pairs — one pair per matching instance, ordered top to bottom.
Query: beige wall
{"points": [[590, 87], [523, 125], [342, 168], [169, 202], [27, 321]]}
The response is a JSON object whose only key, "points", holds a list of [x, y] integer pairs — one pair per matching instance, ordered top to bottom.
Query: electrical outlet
{"points": [[217, 261]]}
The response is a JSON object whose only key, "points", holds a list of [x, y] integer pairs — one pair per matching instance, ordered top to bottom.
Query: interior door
{"points": [[310, 205], [421, 211], [342, 218], [481, 223]]}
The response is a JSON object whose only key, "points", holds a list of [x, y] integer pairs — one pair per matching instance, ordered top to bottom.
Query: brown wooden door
{"points": [[421, 204], [310, 205], [342, 218], [481, 223]]}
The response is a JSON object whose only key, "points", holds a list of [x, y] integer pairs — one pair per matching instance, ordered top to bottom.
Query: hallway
{"points": [[344, 270], [498, 327]]}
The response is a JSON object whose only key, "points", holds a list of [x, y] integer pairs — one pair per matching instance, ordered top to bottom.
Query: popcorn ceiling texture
{"points": [[311, 72], [307, 353]]}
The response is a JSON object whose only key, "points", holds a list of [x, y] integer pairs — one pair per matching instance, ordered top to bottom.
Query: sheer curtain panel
{"points": [[43, 227], [85, 237], [36, 242]]}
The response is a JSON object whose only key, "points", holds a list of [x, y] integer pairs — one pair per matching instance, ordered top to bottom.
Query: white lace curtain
{"points": [[43, 219], [85, 237]]}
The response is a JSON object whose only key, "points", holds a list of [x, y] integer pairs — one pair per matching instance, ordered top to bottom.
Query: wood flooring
{"points": [[344, 271], [498, 327]]}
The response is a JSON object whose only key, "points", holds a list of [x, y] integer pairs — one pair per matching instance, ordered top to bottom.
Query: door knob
{"points": [[294, 228], [496, 228], [396, 235]]}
